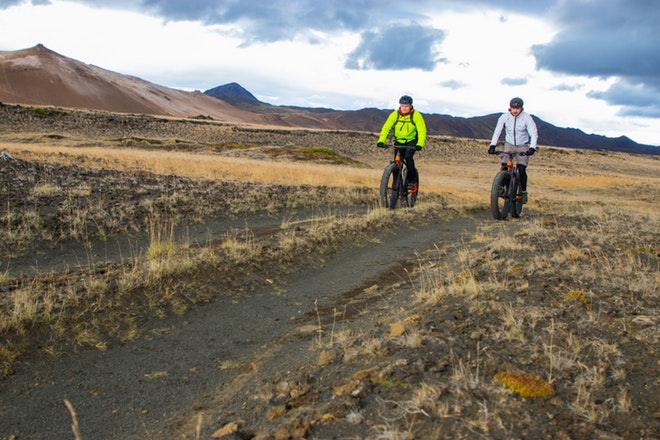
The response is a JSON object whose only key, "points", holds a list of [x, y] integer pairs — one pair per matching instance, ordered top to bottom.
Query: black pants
{"points": [[407, 152], [522, 171]]}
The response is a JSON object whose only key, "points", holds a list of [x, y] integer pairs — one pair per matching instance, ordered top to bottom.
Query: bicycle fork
{"points": [[403, 176], [398, 182], [513, 183]]}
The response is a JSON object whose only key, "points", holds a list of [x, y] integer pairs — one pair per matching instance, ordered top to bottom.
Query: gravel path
{"points": [[144, 388]]}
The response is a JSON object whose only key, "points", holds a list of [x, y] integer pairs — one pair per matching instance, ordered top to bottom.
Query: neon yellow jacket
{"points": [[406, 128]]}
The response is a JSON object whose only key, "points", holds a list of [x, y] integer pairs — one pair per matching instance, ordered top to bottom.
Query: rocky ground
{"points": [[370, 329]]}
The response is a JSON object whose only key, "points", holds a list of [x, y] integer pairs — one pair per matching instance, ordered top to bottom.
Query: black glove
{"points": [[380, 145], [418, 148], [491, 149], [531, 151]]}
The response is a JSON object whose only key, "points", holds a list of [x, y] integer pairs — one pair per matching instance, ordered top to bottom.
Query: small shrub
{"points": [[42, 111]]}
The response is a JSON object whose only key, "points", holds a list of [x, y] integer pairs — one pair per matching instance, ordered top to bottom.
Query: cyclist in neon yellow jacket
{"points": [[409, 136]]}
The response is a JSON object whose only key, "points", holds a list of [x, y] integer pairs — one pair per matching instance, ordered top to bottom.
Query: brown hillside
{"points": [[40, 76]]}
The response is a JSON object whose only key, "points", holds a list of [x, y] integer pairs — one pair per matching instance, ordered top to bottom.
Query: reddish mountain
{"points": [[39, 76]]}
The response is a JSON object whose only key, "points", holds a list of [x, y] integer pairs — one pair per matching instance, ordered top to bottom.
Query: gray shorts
{"points": [[510, 148]]}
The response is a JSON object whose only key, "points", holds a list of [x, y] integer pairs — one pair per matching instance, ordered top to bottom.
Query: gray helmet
{"points": [[405, 99], [516, 103]]}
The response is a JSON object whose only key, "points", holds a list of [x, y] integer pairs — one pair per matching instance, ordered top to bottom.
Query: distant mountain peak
{"points": [[37, 49], [231, 90]]}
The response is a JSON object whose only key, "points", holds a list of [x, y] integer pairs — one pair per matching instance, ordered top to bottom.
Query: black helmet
{"points": [[405, 99], [516, 103]]}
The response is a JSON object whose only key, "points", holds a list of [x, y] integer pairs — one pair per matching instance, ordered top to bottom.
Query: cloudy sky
{"points": [[587, 64]]}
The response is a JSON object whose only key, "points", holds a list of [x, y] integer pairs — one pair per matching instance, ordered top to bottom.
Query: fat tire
{"points": [[388, 186], [500, 204]]}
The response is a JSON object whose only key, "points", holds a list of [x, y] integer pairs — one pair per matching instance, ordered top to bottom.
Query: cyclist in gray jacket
{"points": [[520, 135]]}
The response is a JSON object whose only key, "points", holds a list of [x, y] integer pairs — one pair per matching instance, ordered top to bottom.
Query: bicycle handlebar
{"points": [[388, 146], [510, 153]]}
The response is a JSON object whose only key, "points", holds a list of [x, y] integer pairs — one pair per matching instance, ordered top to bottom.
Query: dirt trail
{"points": [[149, 388]]}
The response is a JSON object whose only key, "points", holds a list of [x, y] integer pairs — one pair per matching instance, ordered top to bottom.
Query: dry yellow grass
{"points": [[199, 165]]}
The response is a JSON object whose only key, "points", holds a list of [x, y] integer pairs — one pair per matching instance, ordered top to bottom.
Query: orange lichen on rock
{"points": [[525, 384]]}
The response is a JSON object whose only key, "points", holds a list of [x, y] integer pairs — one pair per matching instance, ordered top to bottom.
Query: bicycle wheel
{"points": [[389, 186], [517, 202], [500, 203]]}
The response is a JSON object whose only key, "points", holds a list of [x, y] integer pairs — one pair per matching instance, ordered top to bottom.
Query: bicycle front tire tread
{"points": [[388, 188], [500, 204]]}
